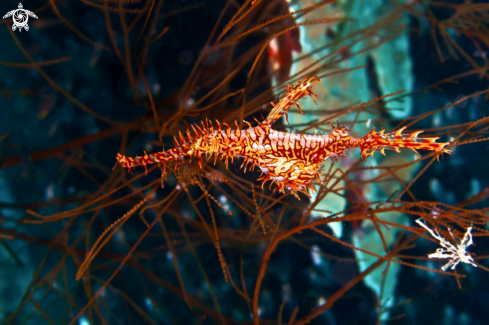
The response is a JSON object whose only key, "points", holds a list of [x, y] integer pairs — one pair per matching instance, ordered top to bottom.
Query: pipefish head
{"points": [[124, 161]]}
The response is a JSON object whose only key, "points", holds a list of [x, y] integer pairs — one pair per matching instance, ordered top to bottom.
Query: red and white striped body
{"points": [[291, 160]]}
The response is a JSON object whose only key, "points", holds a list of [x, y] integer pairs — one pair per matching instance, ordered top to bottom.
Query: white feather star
{"points": [[455, 254]]}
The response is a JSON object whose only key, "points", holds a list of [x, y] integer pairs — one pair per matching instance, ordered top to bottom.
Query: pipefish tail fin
{"points": [[374, 141]]}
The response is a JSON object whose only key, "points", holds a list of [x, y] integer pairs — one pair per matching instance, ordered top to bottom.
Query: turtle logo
{"points": [[20, 17]]}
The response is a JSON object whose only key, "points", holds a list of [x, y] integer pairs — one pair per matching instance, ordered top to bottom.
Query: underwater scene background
{"points": [[85, 243]]}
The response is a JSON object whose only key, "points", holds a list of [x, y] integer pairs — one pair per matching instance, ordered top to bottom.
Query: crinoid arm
{"points": [[299, 90], [380, 141]]}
